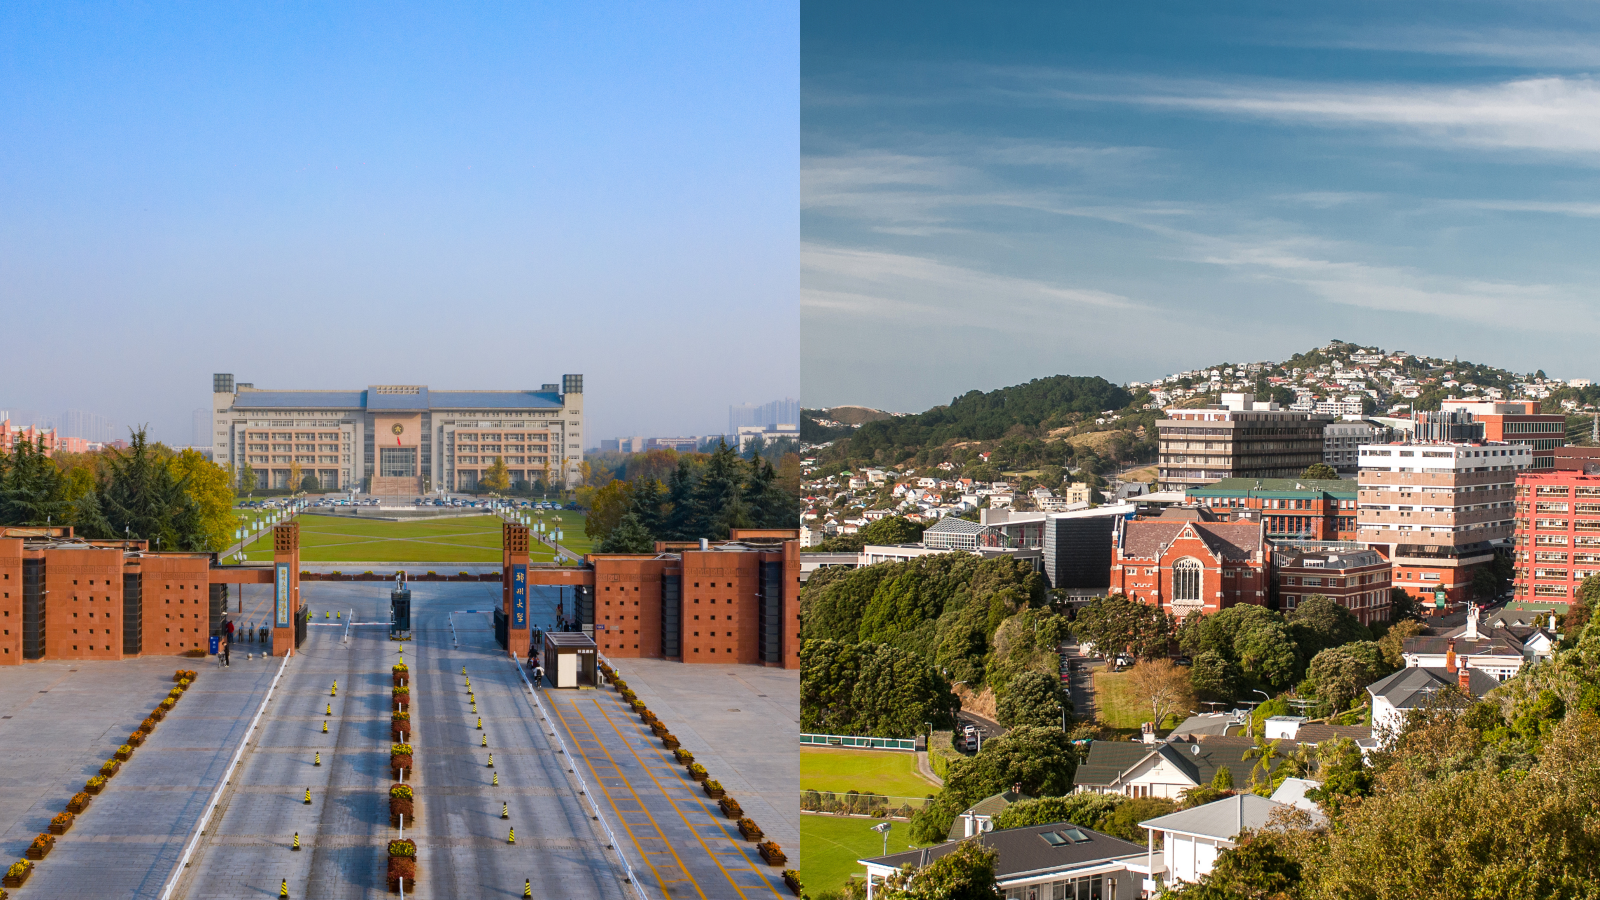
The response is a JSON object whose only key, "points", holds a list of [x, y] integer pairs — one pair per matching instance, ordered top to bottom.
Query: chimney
{"points": [[1450, 657], [1463, 676], [1016, 787]]}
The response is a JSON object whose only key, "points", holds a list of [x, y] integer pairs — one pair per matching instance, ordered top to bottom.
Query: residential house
{"points": [[1501, 652], [1415, 687], [1164, 768], [1192, 839], [1036, 862]]}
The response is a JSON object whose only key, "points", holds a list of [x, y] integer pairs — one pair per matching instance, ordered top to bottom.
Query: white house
{"points": [[1192, 839]]}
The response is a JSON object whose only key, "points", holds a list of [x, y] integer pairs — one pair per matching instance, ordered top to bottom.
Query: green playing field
{"points": [[473, 539]]}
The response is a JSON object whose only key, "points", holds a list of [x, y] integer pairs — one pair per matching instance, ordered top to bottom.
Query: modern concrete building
{"points": [[1518, 422], [398, 439], [1240, 439], [1342, 443], [1438, 511], [1558, 534]]}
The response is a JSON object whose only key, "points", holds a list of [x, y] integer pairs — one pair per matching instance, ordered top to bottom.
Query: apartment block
{"points": [[1518, 422], [1240, 439], [1342, 443], [1438, 511], [1558, 534], [1358, 580]]}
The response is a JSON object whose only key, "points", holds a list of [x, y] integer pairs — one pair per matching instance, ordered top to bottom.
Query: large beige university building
{"points": [[398, 439]]}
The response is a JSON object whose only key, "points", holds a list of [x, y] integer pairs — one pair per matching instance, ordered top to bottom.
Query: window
{"points": [[397, 462], [1186, 581]]}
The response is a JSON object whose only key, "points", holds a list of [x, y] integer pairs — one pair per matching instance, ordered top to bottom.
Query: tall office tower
{"points": [[1241, 438]]}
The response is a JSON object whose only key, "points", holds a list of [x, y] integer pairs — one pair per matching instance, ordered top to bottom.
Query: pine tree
{"points": [[32, 489], [719, 497], [145, 500], [649, 501], [770, 505], [89, 520], [681, 520], [629, 536]]}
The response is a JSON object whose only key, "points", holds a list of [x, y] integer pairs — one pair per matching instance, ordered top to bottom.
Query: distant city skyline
{"points": [[400, 193]]}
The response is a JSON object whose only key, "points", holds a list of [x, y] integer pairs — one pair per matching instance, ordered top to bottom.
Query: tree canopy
{"points": [[871, 689]]}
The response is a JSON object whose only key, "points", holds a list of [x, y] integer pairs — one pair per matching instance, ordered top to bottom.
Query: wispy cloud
{"points": [[1551, 114], [882, 285]]}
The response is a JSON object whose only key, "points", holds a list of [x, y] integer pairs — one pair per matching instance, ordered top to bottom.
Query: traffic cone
{"points": [[324, 614], [339, 615], [463, 670], [330, 710], [480, 723], [324, 726], [486, 740], [318, 760], [491, 761], [497, 779], [308, 796], [505, 810], [512, 837], [296, 841], [527, 887], [283, 891]]}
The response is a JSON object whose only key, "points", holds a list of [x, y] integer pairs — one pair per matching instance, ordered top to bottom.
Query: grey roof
{"points": [[421, 399], [1276, 487], [1343, 559], [1498, 642], [1411, 687], [1205, 723], [1316, 734], [1199, 760], [988, 806], [1222, 819], [1024, 851]]}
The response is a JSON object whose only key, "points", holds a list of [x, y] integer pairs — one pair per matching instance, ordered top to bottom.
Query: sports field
{"points": [[474, 539], [879, 771], [830, 846]]}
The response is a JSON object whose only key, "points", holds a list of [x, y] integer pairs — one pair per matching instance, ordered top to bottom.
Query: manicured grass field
{"points": [[474, 539], [879, 771], [830, 846]]}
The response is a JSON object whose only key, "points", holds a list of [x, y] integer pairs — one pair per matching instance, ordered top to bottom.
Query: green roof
{"points": [[1277, 487]]}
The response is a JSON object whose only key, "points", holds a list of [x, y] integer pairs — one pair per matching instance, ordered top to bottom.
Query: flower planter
{"points": [[402, 679], [401, 701], [157, 714], [147, 726], [658, 728], [402, 732], [136, 739], [669, 742], [124, 752], [683, 757], [397, 763], [110, 768], [697, 772], [95, 785], [713, 789], [79, 802], [402, 806], [730, 807], [61, 823], [750, 830], [41, 847], [772, 853], [401, 867], [17, 874], [791, 880]]}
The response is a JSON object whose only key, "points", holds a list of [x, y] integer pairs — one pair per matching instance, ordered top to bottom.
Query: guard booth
{"points": [[400, 606], [569, 659]]}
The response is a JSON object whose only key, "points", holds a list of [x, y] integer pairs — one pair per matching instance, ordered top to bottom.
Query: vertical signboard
{"points": [[281, 595], [519, 596]]}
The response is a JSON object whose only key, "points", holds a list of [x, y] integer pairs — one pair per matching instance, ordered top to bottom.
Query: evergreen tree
{"points": [[247, 479], [32, 490], [719, 496], [145, 500], [770, 505], [649, 506], [89, 520], [682, 521], [629, 536]]}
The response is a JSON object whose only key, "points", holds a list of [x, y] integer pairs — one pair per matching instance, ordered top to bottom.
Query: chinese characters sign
{"points": [[281, 595], [519, 596]]}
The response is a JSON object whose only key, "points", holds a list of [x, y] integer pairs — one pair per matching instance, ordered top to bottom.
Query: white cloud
{"points": [[1550, 114]]}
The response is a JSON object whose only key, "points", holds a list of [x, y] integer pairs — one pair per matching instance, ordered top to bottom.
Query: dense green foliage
{"points": [[700, 496], [887, 530], [1116, 625], [871, 689], [1033, 698], [1041, 760], [967, 873]]}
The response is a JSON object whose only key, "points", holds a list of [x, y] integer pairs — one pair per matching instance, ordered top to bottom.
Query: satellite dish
{"points": [[1195, 749]]}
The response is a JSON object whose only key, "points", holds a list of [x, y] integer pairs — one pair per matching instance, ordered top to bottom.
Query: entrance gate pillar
{"points": [[514, 585], [285, 586]]}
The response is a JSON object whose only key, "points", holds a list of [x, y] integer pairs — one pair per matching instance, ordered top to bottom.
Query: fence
{"points": [[859, 743]]}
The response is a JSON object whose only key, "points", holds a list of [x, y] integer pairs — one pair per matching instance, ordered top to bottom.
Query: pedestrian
{"points": [[228, 627], [224, 648]]}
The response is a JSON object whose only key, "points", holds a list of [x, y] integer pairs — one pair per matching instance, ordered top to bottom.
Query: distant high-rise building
{"points": [[778, 412], [91, 426], [202, 428]]}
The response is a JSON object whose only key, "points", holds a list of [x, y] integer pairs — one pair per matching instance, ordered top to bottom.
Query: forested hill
{"points": [[1041, 404]]}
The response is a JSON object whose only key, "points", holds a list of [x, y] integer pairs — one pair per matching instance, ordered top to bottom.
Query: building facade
{"points": [[1517, 422], [43, 438], [398, 439], [1240, 439], [1342, 443], [1299, 509], [1438, 511], [1557, 534], [1190, 566], [1357, 580]]}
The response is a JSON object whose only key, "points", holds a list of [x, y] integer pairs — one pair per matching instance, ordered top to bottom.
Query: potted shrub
{"points": [[402, 675], [168, 704], [159, 713], [147, 726], [658, 727], [136, 739], [669, 741], [124, 751], [683, 757], [399, 758], [109, 768], [697, 771], [95, 785], [713, 788], [79, 802], [402, 802], [730, 807], [749, 829], [41, 846], [772, 853], [402, 863], [18, 873], [791, 879]]}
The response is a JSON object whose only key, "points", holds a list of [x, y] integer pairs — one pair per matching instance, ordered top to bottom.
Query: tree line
{"points": [[145, 492], [699, 497]]}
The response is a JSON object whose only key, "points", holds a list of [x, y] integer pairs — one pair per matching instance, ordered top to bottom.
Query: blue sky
{"points": [[992, 195], [470, 196]]}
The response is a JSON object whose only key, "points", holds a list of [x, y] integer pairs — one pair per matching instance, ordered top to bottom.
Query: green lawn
{"points": [[475, 539], [1118, 707], [879, 771], [830, 846]]}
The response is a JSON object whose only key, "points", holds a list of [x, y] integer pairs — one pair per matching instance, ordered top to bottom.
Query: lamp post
{"points": [[1253, 718], [883, 829]]}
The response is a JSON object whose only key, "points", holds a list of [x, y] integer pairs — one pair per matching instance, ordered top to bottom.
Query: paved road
{"points": [[344, 831]]}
